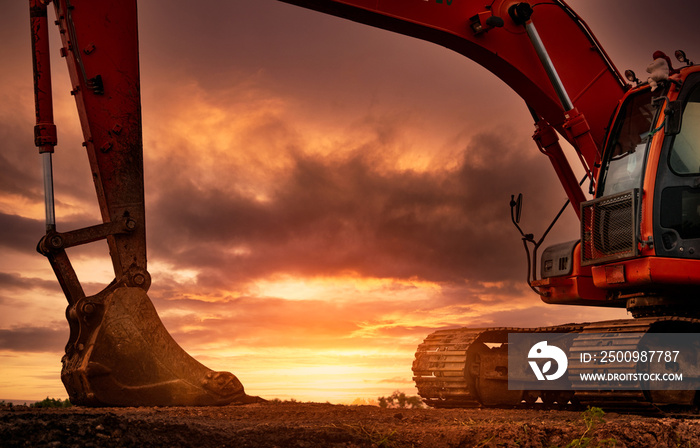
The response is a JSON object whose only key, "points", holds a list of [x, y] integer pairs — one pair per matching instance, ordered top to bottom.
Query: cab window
{"points": [[627, 145], [685, 152]]}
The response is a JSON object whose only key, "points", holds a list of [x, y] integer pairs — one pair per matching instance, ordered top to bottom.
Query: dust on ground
{"points": [[294, 424]]}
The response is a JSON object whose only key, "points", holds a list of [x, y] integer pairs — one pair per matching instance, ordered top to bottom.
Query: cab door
{"points": [[677, 189]]}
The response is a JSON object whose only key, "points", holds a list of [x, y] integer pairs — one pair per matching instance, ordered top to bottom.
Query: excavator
{"points": [[638, 143]]}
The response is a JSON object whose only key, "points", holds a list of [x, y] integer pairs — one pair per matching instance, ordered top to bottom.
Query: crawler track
{"points": [[467, 367]]}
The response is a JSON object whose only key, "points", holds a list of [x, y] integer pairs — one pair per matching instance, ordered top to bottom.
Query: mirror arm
{"points": [[530, 238]]}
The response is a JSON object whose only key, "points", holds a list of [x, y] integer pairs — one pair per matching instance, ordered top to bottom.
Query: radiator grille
{"points": [[608, 228]]}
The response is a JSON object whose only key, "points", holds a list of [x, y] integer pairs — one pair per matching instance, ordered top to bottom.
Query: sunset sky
{"points": [[320, 195]]}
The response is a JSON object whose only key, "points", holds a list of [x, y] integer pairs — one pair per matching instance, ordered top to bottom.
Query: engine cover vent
{"points": [[609, 228]]}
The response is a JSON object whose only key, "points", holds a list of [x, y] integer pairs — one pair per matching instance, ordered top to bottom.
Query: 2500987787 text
{"points": [[610, 356]]}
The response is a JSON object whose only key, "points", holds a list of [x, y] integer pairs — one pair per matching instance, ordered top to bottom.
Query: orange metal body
{"points": [[643, 272], [577, 288]]}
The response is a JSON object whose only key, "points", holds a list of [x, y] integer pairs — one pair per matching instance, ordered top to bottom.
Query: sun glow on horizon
{"points": [[343, 287], [324, 375]]}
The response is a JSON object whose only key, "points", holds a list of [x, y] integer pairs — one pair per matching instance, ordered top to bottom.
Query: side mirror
{"points": [[674, 114], [516, 206]]}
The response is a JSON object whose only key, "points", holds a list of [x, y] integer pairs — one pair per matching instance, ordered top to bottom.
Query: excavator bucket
{"points": [[120, 354]]}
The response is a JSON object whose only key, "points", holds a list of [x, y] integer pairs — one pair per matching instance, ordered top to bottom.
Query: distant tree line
{"points": [[400, 400], [45, 403], [52, 403]]}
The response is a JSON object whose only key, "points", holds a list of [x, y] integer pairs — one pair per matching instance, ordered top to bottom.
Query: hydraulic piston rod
{"points": [[521, 13], [548, 66], [576, 125], [45, 130], [47, 169]]}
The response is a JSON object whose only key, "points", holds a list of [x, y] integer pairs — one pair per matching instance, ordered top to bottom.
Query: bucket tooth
{"points": [[120, 354]]}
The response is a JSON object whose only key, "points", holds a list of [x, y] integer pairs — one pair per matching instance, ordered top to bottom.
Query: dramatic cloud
{"points": [[269, 196], [327, 216], [20, 233], [16, 281], [33, 339]]}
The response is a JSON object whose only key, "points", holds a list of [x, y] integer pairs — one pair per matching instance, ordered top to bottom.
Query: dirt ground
{"points": [[293, 424]]}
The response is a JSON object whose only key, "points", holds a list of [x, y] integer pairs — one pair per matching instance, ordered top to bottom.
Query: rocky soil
{"points": [[293, 424]]}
